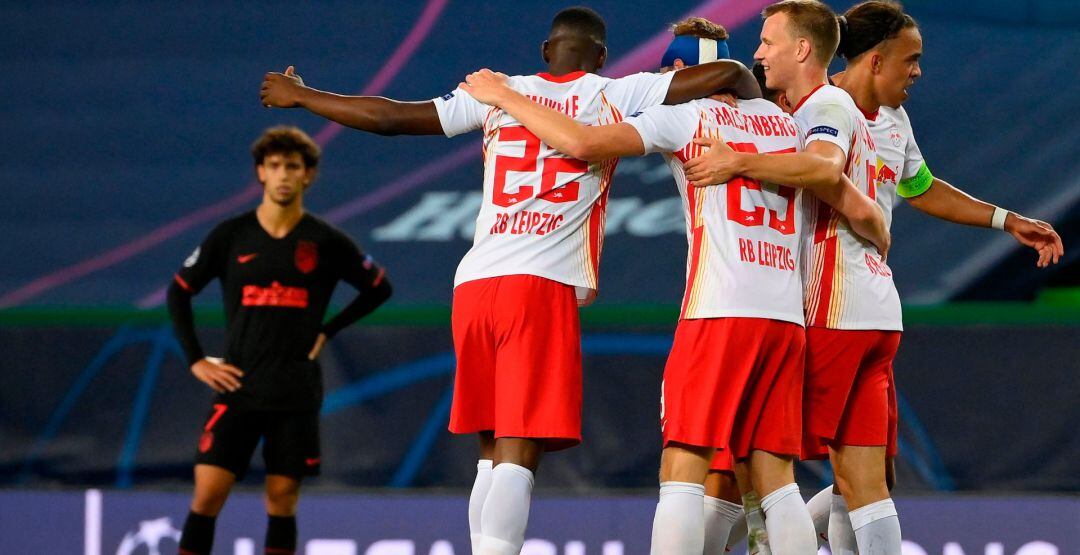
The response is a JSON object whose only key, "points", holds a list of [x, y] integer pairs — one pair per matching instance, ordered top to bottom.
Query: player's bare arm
{"points": [[703, 80], [374, 114], [583, 142], [819, 166], [819, 169], [948, 203]]}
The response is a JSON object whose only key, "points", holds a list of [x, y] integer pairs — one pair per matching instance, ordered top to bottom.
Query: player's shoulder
{"points": [[831, 94], [760, 106], [898, 114], [230, 226], [325, 230]]}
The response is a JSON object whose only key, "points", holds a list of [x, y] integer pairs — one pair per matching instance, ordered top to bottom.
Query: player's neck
{"points": [[564, 66], [806, 81], [859, 85], [278, 220]]}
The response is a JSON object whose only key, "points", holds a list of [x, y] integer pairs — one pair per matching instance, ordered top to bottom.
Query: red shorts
{"points": [[518, 345], [734, 384], [850, 395], [722, 461]]}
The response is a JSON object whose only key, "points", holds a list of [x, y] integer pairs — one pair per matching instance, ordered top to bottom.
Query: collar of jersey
{"points": [[561, 78], [801, 102]]}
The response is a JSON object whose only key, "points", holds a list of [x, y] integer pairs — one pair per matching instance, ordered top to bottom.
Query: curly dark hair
{"points": [[699, 27], [285, 140]]}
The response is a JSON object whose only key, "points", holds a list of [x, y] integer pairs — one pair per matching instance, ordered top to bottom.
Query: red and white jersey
{"points": [[899, 161], [543, 213], [744, 237], [847, 285]]}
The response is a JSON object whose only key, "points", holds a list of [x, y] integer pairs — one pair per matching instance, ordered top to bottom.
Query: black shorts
{"points": [[290, 440]]}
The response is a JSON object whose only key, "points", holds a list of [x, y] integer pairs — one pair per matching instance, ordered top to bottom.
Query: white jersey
{"points": [[900, 169], [543, 213], [744, 237], [847, 285]]}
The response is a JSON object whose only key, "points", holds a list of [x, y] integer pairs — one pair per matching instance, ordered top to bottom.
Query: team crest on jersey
{"points": [[894, 136], [307, 256], [193, 258]]}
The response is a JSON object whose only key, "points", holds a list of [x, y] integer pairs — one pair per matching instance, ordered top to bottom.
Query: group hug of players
{"points": [[789, 322]]}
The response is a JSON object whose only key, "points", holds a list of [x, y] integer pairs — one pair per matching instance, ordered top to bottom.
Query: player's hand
{"points": [[486, 86], [281, 90], [726, 98], [713, 167], [870, 225], [1038, 235], [320, 342], [217, 374]]}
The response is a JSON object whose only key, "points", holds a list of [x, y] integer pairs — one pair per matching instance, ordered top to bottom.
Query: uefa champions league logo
{"points": [[150, 534]]}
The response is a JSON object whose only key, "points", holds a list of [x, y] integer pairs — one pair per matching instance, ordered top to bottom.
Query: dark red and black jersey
{"points": [[276, 293]]}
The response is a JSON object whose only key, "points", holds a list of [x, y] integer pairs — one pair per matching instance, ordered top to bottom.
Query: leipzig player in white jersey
{"points": [[882, 46], [535, 254], [733, 379]]}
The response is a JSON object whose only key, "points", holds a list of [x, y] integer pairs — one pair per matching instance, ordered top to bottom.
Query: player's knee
{"points": [[861, 482], [282, 498], [208, 502]]}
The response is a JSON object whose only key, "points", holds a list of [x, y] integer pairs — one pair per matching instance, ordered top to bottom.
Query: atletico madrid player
{"points": [[278, 267]]}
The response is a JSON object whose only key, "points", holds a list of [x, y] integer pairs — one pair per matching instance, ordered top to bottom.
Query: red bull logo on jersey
{"points": [[885, 174]]}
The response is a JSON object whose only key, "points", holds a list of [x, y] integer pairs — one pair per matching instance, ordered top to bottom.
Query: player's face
{"points": [[777, 51], [899, 67], [284, 177]]}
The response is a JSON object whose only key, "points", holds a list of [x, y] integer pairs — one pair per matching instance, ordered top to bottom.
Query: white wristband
{"points": [[998, 221]]}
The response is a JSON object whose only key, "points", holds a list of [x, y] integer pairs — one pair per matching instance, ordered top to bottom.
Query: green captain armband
{"points": [[916, 185]]}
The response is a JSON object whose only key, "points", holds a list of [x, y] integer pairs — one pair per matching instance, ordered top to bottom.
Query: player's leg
{"points": [[537, 382], [473, 408], [769, 431], [225, 447], [291, 451], [860, 452], [481, 486], [282, 496], [723, 504], [819, 506], [679, 525], [757, 538]]}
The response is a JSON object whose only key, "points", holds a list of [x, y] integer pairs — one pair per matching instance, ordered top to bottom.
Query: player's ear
{"points": [[802, 50], [544, 52], [602, 58], [877, 61], [678, 64], [309, 177]]}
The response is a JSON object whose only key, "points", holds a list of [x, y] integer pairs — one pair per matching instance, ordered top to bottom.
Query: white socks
{"points": [[476, 500], [819, 506], [506, 510], [720, 517], [679, 525], [877, 528], [738, 531], [791, 532], [841, 536]]}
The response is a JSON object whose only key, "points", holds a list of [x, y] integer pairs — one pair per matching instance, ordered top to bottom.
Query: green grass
{"points": [[1056, 310]]}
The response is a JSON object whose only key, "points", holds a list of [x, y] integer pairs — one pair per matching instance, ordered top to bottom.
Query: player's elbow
{"points": [[383, 291]]}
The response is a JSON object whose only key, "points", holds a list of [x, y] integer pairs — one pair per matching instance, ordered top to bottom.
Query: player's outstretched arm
{"points": [[705, 79], [374, 114], [560, 132], [817, 168], [948, 203]]}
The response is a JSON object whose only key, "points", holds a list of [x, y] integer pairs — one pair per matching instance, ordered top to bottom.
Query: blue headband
{"points": [[693, 51]]}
